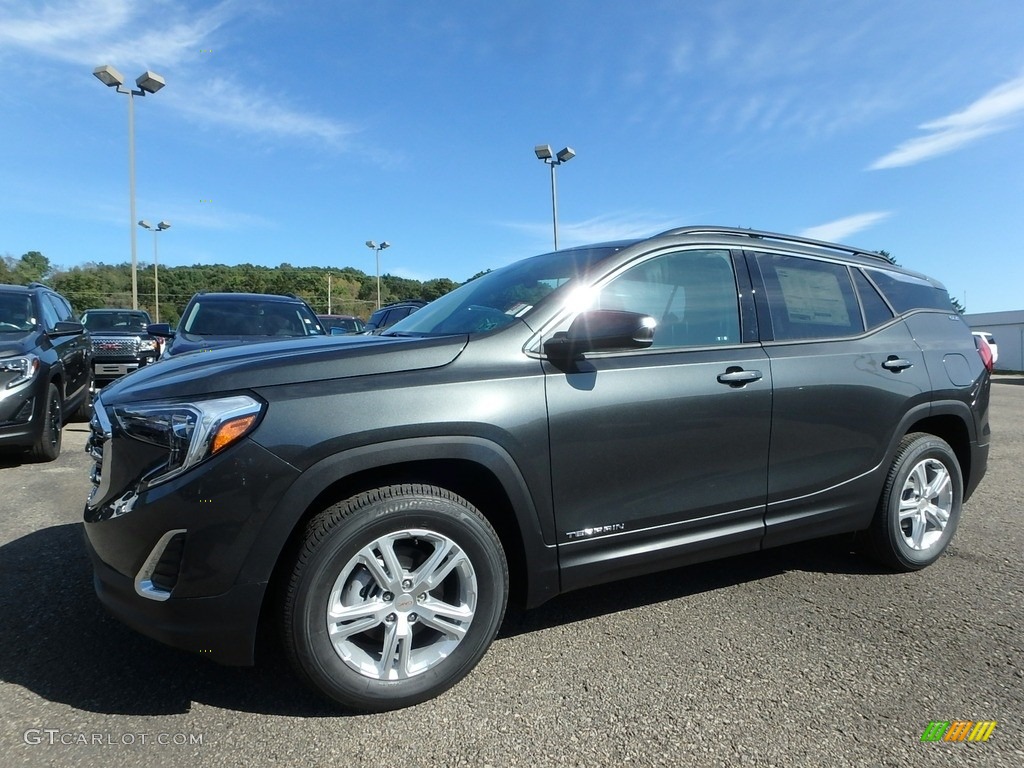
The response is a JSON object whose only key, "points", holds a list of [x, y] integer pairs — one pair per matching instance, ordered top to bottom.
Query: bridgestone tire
{"points": [[920, 506], [394, 596]]}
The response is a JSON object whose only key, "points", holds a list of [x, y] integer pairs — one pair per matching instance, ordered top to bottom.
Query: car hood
{"points": [[141, 332], [191, 342], [15, 344], [288, 361]]}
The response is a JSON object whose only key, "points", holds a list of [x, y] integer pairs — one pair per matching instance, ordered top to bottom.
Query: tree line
{"points": [[351, 291]]}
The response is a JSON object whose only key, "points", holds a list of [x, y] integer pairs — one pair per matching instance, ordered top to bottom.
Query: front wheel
{"points": [[47, 445], [920, 505], [394, 596]]}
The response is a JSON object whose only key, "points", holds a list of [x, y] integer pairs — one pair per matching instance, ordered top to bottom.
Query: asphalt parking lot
{"points": [[806, 655]]}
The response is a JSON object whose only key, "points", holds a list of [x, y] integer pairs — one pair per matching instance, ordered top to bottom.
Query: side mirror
{"points": [[66, 328], [161, 330], [602, 330], [336, 331]]}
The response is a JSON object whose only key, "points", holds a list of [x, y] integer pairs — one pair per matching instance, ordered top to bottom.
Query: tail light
{"points": [[986, 352]]}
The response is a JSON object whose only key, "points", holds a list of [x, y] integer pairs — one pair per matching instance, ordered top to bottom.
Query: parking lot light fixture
{"points": [[147, 82], [544, 153], [378, 248], [156, 275]]}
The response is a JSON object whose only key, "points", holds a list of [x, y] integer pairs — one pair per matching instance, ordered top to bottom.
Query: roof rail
{"points": [[757, 234]]}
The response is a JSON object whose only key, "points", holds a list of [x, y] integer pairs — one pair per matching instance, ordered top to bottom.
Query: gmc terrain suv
{"points": [[215, 320], [120, 342], [45, 369], [581, 416]]}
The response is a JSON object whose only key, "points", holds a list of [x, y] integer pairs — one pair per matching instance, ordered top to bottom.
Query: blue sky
{"points": [[293, 132]]}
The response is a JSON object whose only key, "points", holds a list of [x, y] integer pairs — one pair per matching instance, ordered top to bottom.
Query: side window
{"points": [[906, 292], [691, 294], [809, 299], [61, 307], [876, 311], [49, 312]]}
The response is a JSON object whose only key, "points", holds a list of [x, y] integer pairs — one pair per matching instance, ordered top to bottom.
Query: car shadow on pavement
{"points": [[829, 555], [58, 642]]}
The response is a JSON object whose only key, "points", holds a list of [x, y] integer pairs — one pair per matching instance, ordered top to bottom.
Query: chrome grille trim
{"points": [[115, 346]]}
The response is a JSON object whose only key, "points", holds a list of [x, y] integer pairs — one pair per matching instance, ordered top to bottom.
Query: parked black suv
{"points": [[390, 314], [214, 320], [340, 325], [120, 342], [44, 369], [574, 418]]}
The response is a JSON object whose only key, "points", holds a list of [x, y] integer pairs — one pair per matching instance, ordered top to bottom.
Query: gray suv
{"points": [[581, 416]]}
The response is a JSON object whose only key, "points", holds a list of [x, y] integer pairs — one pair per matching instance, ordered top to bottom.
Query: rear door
{"points": [[845, 372], [660, 455]]}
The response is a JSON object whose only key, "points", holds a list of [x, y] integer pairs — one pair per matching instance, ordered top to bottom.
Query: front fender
{"points": [[541, 560]]}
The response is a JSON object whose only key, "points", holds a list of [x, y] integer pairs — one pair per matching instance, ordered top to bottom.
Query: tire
{"points": [[84, 411], [47, 446], [920, 506], [416, 581]]}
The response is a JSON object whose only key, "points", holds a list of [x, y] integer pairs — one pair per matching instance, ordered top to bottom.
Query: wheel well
{"points": [[58, 382], [953, 431], [473, 482]]}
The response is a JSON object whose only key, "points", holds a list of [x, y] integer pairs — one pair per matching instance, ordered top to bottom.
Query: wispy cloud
{"points": [[102, 31], [118, 32], [226, 103], [996, 111], [598, 229], [840, 229]]}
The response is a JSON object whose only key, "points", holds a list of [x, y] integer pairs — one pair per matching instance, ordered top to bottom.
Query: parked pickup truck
{"points": [[120, 342]]}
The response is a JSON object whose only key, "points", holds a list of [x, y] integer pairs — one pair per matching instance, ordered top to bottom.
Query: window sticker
{"points": [[812, 296]]}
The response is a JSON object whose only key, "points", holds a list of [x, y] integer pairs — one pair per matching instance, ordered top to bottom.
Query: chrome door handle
{"points": [[896, 364], [737, 377]]}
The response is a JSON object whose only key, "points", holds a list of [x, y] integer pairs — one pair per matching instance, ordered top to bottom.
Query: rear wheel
{"points": [[84, 411], [47, 445], [920, 505], [394, 597]]}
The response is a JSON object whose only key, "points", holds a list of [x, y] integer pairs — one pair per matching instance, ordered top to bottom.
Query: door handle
{"points": [[896, 364], [737, 377]]}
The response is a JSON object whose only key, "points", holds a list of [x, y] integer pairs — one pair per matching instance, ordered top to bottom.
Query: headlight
{"points": [[147, 345], [15, 371], [190, 432]]}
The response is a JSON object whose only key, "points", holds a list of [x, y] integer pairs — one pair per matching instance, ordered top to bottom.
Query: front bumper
{"points": [[106, 369], [22, 415], [169, 563], [221, 628]]}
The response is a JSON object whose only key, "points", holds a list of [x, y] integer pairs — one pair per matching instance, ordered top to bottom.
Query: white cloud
{"points": [[104, 31], [123, 33], [227, 103], [995, 111], [842, 228], [598, 229]]}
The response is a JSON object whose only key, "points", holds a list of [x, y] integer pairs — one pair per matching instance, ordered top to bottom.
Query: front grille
{"points": [[115, 346]]}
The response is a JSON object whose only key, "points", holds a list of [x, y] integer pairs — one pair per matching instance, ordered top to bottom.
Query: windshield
{"points": [[498, 298], [16, 313], [248, 317], [135, 322]]}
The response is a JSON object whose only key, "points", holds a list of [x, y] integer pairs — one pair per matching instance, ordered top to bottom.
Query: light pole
{"points": [[148, 82], [543, 152], [378, 249], [156, 276]]}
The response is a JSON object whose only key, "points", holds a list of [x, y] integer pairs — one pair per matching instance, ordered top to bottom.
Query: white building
{"points": [[1008, 330]]}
